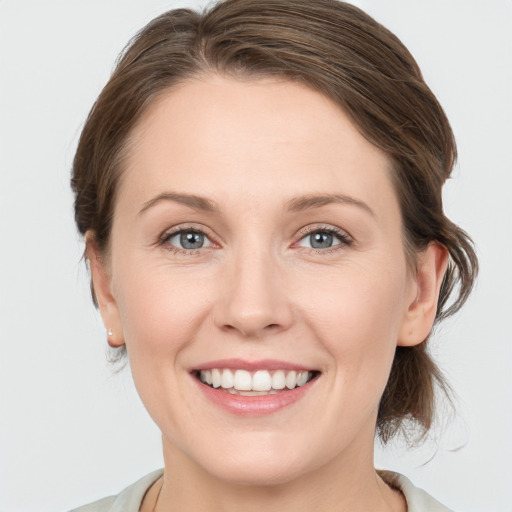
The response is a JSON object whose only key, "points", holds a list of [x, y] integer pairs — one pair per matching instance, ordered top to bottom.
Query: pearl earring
{"points": [[110, 332]]}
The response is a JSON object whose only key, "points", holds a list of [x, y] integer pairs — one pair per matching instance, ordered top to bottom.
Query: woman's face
{"points": [[256, 234]]}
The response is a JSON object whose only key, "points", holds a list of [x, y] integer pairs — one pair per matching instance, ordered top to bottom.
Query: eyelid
{"points": [[187, 227], [324, 227], [343, 236]]}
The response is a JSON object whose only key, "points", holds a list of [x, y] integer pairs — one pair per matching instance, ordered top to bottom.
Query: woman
{"points": [[259, 188]]}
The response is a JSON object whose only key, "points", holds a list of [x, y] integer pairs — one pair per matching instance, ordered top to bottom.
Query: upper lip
{"points": [[242, 364]]}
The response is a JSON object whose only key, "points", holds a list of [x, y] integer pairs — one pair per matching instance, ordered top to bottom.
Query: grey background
{"points": [[70, 429]]}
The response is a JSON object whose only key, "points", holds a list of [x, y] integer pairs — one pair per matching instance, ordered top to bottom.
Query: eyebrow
{"points": [[193, 201], [306, 202], [297, 204]]}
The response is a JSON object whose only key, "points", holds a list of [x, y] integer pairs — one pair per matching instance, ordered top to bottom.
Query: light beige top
{"points": [[130, 499]]}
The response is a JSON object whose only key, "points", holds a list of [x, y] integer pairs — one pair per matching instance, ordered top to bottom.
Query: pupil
{"points": [[191, 240], [321, 240]]}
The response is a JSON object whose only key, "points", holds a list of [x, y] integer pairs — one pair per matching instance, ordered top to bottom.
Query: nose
{"points": [[253, 299]]}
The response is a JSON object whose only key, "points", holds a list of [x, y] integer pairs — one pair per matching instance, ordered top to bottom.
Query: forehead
{"points": [[223, 137]]}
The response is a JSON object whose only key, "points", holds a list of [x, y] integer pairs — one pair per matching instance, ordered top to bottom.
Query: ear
{"points": [[426, 283], [102, 287]]}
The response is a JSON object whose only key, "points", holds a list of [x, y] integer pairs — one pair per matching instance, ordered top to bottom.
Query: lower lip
{"points": [[253, 405]]}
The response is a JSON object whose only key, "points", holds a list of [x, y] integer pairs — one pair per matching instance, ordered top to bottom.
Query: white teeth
{"points": [[206, 376], [216, 378], [302, 378], [227, 379], [291, 379], [243, 380], [278, 380], [261, 382], [233, 391]]}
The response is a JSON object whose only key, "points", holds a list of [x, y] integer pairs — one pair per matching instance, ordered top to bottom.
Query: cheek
{"points": [[356, 303], [159, 310], [161, 313], [356, 315]]}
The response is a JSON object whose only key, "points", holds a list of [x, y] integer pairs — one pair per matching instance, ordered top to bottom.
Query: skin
{"points": [[257, 290]]}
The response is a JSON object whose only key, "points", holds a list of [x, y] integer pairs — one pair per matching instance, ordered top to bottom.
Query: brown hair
{"points": [[338, 50]]}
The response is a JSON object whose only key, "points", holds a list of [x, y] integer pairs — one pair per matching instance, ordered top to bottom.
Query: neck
{"points": [[342, 485]]}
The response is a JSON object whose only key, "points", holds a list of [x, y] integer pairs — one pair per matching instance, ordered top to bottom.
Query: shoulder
{"points": [[417, 499], [128, 500], [97, 506]]}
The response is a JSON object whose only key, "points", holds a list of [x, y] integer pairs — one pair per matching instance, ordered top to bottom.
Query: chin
{"points": [[263, 462], [273, 471]]}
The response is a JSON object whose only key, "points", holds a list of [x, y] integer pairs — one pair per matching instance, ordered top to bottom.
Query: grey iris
{"points": [[191, 240], [321, 240]]}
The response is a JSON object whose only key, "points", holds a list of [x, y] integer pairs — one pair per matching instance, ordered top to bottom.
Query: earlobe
{"points": [[102, 287], [422, 307]]}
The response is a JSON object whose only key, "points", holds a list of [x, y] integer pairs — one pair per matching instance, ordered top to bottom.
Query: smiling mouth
{"points": [[257, 383]]}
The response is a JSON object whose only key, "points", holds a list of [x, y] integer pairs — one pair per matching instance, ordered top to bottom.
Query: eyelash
{"points": [[168, 235], [344, 239]]}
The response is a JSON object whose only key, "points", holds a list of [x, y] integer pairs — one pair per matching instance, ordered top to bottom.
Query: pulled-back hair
{"points": [[339, 51]]}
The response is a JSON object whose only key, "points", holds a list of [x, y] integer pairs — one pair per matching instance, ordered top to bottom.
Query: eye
{"points": [[187, 239], [324, 239]]}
